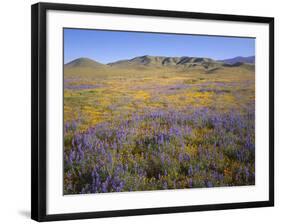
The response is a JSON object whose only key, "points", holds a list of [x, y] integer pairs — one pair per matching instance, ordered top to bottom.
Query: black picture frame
{"points": [[38, 109]]}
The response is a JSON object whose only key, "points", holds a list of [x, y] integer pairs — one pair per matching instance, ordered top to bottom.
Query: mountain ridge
{"points": [[240, 59], [163, 61]]}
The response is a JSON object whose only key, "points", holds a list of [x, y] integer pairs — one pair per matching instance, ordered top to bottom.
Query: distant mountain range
{"points": [[239, 59], [161, 61]]}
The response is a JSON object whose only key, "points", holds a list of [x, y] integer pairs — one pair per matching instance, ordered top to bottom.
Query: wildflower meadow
{"points": [[133, 129]]}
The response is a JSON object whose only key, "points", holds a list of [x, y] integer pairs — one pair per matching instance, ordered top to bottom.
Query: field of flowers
{"points": [[132, 130]]}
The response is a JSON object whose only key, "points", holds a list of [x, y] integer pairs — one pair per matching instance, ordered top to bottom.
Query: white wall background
{"points": [[15, 110]]}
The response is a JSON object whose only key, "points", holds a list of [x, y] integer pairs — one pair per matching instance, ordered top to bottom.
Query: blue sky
{"points": [[110, 46]]}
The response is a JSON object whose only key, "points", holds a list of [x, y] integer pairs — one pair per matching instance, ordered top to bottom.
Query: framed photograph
{"points": [[139, 111]]}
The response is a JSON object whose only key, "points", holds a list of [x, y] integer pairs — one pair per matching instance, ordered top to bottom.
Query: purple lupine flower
{"points": [[74, 125], [67, 126], [114, 146], [71, 157], [180, 157], [186, 157], [162, 158], [190, 171], [247, 173], [208, 183], [104, 187]]}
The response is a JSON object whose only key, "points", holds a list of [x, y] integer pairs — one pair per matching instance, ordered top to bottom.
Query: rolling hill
{"points": [[84, 63]]}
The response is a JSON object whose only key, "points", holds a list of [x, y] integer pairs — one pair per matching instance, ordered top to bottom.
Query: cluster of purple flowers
{"points": [[161, 150]]}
